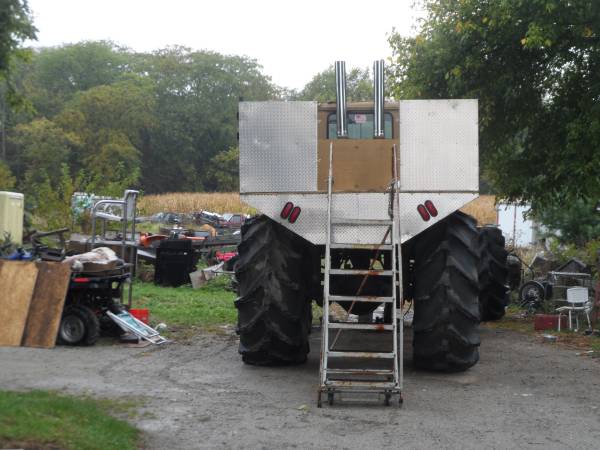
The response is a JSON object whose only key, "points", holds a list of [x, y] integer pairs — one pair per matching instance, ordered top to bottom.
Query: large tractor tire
{"points": [[493, 274], [274, 286], [446, 317]]}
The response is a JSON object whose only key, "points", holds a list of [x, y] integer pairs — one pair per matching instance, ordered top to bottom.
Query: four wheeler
{"points": [[89, 297]]}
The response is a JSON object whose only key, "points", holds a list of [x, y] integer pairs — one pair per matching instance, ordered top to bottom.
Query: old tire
{"points": [[493, 274], [446, 308], [274, 309], [79, 325]]}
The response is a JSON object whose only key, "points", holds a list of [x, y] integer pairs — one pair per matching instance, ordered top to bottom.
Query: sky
{"points": [[293, 41]]}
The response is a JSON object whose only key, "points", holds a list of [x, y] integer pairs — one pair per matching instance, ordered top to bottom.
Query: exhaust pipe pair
{"points": [[378, 99]]}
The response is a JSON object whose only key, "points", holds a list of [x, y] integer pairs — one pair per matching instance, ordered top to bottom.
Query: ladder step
{"points": [[340, 221], [361, 246], [376, 273], [361, 299], [361, 326], [373, 355], [364, 372], [375, 385]]}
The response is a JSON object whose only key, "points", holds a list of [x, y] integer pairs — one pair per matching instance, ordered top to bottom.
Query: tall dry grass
{"points": [[188, 202], [483, 208]]}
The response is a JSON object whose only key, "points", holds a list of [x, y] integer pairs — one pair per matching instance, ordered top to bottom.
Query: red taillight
{"points": [[431, 208], [287, 209], [295, 213], [423, 213], [81, 280]]}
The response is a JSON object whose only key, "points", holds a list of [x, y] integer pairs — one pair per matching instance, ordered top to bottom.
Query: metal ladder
{"points": [[359, 379]]}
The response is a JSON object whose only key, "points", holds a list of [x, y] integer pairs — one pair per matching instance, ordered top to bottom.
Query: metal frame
{"points": [[128, 213], [377, 381]]}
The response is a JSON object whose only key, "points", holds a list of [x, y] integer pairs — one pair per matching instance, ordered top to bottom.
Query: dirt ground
{"points": [[522, 394]]}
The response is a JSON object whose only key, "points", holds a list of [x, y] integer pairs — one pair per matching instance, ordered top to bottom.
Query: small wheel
{"points": [[531, 295], [79, 326], [72, 328], [330, 398], [319, 403]]}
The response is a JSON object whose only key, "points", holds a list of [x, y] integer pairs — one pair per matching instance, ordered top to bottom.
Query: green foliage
{"points": [[15, 27], [534, 67], [56, 74], [359, 86], [197, 98], [112, 124], [42, 146], [223, 171], [7, 179], [47, 201], [576, 223], [51, 420]]}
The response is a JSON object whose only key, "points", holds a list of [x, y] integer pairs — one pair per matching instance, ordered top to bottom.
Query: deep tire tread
{"points": [[493, 274], [274, 294], [447, 314]]}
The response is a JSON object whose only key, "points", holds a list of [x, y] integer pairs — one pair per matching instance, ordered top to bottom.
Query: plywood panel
{"points": [[359, 165], [17, 282], [47, 304]]}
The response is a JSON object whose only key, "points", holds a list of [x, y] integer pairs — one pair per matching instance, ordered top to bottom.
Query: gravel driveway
{"points": [[522, 394]]}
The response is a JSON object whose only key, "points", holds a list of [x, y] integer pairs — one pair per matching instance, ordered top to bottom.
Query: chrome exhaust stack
{"points": [[340, 90], [378, 99]]}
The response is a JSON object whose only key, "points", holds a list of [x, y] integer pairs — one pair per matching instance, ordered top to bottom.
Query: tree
{"points": [[15, 27], [534, 66], [56, 74], [359, 86], [197, 98], [112, 124], [40, 145], [223, 171], [7, 179], [577, 223]]}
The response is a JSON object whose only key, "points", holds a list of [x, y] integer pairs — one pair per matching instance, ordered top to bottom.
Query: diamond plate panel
{"points": [[278, 146], [439, 149], [411, 222], [312, 223]]}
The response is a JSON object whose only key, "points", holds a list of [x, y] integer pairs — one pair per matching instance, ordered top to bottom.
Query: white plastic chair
{"points": [[578, 303]]}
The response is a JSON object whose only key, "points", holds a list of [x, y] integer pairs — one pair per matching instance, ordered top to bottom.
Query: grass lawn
{"points": [[187, 309], [43, 419]]}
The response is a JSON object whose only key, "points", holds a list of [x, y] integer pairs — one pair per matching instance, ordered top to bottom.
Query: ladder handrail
{"points": [[392, 384]]}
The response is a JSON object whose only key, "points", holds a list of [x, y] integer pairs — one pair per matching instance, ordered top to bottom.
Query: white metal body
{"points": [[438, 153], [11, 216]]}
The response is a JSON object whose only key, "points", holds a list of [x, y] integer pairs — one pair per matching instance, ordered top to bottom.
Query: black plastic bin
{"points": [[174, 262]]}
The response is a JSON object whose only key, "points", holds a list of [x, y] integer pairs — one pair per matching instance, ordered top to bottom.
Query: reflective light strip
{"points": [[431, 208], [287, 209], [423, 213], [294, 215], [81, 280]]}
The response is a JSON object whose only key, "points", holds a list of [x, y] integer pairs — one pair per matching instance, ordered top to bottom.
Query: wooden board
{"points": [[359, 165], [17, 282], [47, 305]]}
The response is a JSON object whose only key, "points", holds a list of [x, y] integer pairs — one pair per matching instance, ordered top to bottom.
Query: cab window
{"points": [[360, 125]]}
